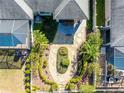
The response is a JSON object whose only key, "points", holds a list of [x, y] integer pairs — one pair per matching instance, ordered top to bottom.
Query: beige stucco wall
{"points": [[80, 35]]}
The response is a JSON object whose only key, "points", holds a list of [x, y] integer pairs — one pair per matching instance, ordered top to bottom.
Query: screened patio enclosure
{"points": [[14, 34], [117, 58]]}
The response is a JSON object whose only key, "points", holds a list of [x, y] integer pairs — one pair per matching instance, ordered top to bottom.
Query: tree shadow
{"points": [[13, 59]]}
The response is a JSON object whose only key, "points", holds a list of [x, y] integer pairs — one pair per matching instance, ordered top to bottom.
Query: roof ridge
{"points": [[66, 2], [25, 7], [59, 8], [80, 8]]}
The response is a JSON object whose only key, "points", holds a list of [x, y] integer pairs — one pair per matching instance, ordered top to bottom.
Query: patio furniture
{"points": [[111, 81]]}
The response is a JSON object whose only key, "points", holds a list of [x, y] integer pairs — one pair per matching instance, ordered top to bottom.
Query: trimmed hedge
{"points": [[63, 51], [62, 60], [27, 77], [44, 78], [75, 80], [70, 86], [54, 87]]}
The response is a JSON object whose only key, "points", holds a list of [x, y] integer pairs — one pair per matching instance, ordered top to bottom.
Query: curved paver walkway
{"points": [[62, 79]]}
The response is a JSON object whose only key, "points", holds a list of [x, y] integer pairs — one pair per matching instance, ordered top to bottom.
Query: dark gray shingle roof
{"points": [[43, 5], [9, 9], [62, 9], [71, 9], [117, 22]]}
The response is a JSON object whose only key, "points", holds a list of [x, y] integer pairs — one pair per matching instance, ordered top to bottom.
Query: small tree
{"points": [[40, 41], [91, 48]]}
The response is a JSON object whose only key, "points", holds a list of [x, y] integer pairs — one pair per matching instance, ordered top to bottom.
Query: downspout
{"points": [[32, 37]]}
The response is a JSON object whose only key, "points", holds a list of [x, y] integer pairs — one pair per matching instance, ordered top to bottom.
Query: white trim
{"points": [[25, 7], [13, 26], [12, 40]]}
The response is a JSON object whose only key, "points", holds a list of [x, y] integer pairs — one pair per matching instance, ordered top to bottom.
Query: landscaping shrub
{"points": [[63, 51], [88, 56], [62, 60], [38, 61], [65, 62], [45, 63], [28, 66], [82, 67], [110, 70], [27, 71], [27, 77], [44, 78], [75, 80], [49, 82], [27, 84], [70, 86], [54, 87], [35, 88], [86, 88], [28, 90]]}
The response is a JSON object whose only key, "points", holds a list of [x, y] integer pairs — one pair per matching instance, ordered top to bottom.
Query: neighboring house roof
{"points": [[43, 5], [9, 9], [62, 9], [72, 9], [117, 23], [14, 33]]}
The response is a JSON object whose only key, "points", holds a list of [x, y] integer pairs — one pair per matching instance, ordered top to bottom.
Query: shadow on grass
{"points": [[7, 60]]}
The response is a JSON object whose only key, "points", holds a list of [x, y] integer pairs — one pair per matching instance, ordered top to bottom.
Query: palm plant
{"points": [[40, 41], [90, 50]]}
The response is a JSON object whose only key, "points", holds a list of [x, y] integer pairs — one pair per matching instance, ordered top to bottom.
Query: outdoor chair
{"points": [[111, 81]]}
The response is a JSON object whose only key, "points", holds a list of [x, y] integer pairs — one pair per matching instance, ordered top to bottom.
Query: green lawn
{"points": [[100, 11], [7, 60], [11, 73], [11, 81]]}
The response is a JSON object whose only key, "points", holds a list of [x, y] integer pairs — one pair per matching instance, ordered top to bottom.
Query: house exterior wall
{"points": [[80, 35]]}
